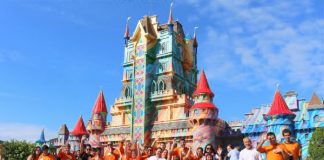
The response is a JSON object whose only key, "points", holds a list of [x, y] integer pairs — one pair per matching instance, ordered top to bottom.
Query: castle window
{"points": [[163, 47], [162, 67], [162, 86], [154, 87], [127, 92], [316, 118], [201, 121]]}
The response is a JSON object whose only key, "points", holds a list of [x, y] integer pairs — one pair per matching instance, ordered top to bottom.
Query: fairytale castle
{"points": [[161, 98]]}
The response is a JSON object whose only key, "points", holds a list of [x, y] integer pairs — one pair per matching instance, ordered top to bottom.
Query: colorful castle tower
{"points": [[160, 74], [203, 115], [279, 116], [97, 123], [76, 134]]}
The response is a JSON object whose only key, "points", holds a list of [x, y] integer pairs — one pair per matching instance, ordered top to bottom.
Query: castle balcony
{"points": [[162, 95], [122, 102]]}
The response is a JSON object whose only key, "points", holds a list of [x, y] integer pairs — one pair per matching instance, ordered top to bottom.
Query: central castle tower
{"points": [[159, 77]]}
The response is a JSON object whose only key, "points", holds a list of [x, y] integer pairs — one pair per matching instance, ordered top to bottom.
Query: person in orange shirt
{"points": [[290, 147], [182, 150], [274, 151], [109, 152], [147, 152], [65, 154], [199, 154], [45, 155]]}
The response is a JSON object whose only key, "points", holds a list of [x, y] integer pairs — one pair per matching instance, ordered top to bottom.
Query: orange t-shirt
{"points": [[292, 148], [269, 150], [177, 151], [64, 156], [144, 156], [46, 157], [109, 157], [137, 158]]}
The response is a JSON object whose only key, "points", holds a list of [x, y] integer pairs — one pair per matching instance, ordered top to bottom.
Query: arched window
{"points": [[163, 47], [160, 69], [162, 86], [154, 87], [127, 92], [316, 118], [195, 121], [201, 121]]}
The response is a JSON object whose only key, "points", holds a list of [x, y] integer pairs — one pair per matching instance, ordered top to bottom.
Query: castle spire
{"points": [[170, 24], [126, 35], [195, 43], [203, 86], [315, 101], [100, 105], [279, 106], [79, 128], [41, 139]]}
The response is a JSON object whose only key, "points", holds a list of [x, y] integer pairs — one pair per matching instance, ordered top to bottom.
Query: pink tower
{"points": [[203, 115], [98, 121]]}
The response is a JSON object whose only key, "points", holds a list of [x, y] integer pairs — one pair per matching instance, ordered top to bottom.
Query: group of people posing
{"points": [[177, 150]]}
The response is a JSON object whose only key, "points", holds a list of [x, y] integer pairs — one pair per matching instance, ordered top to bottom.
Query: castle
{"points": [[161, 97]]}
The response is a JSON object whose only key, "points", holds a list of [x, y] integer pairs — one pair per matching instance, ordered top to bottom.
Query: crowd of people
{"points": [[177, 150]]}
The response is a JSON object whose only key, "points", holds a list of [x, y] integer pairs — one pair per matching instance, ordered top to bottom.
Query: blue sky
{"points": [[56, 55]]}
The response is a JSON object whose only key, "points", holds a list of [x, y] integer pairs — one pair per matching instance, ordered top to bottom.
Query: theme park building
{"points": [[161, 98]]}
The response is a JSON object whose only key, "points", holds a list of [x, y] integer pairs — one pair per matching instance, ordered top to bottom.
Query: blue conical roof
{"points": [[41, 138]]}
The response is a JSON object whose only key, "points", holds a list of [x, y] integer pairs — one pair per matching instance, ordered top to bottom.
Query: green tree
{"points": [[316, 145], [17, 150]]}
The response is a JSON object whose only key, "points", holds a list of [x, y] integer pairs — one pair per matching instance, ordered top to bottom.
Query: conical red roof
{"points": [[203, 86], [100, 105], [205, 105], [278, 105], [79, 128]]}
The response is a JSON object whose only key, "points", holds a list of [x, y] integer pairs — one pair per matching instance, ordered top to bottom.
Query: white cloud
{"points": [[256, 44], [21, 131]]}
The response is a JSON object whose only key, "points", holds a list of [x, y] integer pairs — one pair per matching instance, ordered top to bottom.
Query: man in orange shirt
{"points": [[292, 148], [182, 150], [274, 151], [65, 154], [45, 155]]}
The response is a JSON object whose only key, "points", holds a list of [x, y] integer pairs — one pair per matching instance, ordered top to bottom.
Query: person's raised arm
{"points": [[156, 139], [82, 144], [259, 146], [189, 152]]}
